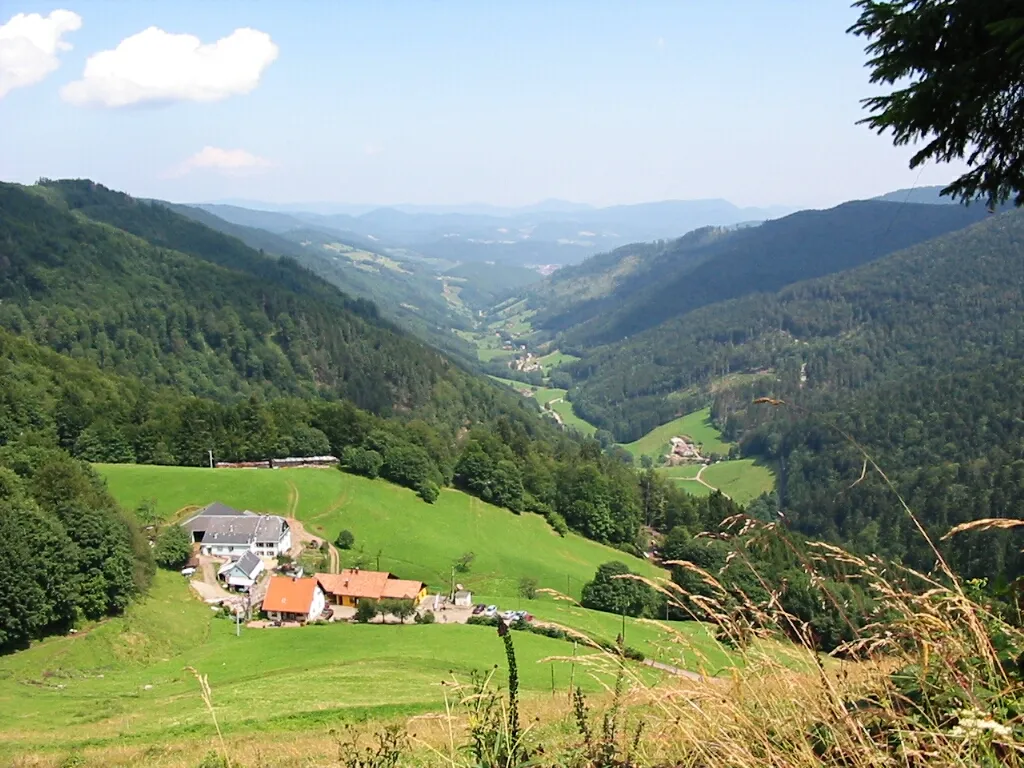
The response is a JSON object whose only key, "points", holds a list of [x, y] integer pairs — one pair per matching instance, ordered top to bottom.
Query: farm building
{"points": [[228, 532], [243, 572], [352, 585], [463, 598], [291, 599]]}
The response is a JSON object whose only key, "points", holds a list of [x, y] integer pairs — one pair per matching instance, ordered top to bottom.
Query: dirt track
{"points": [[301, 537]]}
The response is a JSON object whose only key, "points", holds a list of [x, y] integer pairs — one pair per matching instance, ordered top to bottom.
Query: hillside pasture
{"points": [[555, 359], [696, 425], [742, 479], [413, 539], [126, 680]]}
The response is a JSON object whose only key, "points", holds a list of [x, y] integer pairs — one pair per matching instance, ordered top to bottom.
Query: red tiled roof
{"points": [[354, 583], [372, 584], [402, 589], [290, 595]]}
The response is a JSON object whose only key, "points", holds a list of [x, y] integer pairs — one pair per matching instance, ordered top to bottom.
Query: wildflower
{"points": [[974, 722]]}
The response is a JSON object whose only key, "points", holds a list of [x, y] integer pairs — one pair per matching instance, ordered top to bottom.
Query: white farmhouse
{"points": [[227, 532], [243, 572], [291, 599]]}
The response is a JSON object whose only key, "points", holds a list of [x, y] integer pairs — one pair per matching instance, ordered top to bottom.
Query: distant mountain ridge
{"points": [[550, 232], [636, 287]]}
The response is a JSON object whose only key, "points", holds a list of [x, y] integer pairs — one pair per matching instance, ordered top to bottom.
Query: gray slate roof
{"points": [[220, 510], [220, 524], [248, 563]]}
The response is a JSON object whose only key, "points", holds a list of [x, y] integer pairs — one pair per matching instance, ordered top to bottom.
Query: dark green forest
{"points": [[639, 287], [198, 311], [916, 357], [68, 551]]}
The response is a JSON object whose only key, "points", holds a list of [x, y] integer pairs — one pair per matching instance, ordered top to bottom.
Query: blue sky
{"points": [[454, 102]]}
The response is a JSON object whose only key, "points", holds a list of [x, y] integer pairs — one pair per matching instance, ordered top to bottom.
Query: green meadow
{"points": [[697, 426], [743, 479], [413, 539], [126, 680]]}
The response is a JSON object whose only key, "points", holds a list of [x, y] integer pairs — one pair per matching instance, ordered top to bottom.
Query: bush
{"points": [[361, 461], [428, 491], [557, 522], [345, 540], [173, 548], [528, 587], [366, 610], [427, 617]]}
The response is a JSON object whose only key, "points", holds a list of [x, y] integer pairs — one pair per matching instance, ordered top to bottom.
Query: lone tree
{"points": [[960, 68], [345, 540], [173, 547], [465, 562], [528, 587], [613, 591], [401, 609], [366, 610]]}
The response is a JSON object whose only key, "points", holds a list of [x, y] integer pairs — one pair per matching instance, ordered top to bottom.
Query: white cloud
{"points": [[660, 43], [29, 44], [156, 66], [372, 149], [227, 161]]}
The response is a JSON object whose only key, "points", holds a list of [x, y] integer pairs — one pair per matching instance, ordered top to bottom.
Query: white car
{"points": [[187, 571], [491, 610]]}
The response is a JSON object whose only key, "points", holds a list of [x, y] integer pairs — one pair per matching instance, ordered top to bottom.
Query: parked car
{"points": [[188, 571], [478, 609], [491, 610]]}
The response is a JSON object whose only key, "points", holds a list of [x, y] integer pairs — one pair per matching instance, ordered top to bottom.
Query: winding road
{"points": [[702, 481]]}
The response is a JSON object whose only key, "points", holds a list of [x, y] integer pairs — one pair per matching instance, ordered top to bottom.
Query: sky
{"points": [[446, 102]]}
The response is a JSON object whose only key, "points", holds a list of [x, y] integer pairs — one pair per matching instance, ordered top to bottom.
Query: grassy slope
{"points": [[555, 359], [696, 425], [742, 479], [416, 540], [296, 679], [263, 680]]}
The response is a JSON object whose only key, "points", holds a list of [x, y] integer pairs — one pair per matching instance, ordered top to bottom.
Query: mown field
{"points": [[697, 426], [743, 479], [413, 539], [126, 680], [125, 683]]}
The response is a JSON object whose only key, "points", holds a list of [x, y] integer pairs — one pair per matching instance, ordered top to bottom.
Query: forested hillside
{"points": [[638, 287], [409, 293], [945, 300], [193, 309], [916, 356], [67, 551]]}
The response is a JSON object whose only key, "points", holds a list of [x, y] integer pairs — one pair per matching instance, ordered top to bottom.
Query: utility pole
{"points": [[211, 458]]}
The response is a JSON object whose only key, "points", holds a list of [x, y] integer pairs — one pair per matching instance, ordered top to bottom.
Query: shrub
{"points": [[361, 461], [428, 491], [557, 522], [346, 539], [173, 547], [528, 587], [366, 610], [427, 617]]}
